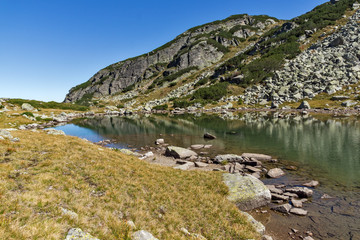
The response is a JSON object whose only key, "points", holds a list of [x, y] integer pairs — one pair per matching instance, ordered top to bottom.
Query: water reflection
{"points": [[330, 147]]}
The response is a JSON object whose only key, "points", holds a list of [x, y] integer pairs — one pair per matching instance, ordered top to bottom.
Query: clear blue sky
{"points": [[49, 46]]}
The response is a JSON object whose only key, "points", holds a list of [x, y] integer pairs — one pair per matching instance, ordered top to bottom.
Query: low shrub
{"points": [[212, 93], [161, 107]]}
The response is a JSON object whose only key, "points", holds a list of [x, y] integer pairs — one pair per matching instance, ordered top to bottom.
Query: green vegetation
{"points": [[218, 46], [171, 77], [202, 82], [81, 86], [129, 88], [212, 93], [86, 99], [181, 104], [48, 105], [1, 106], [120, 106], [161, 107], [29, 114]]}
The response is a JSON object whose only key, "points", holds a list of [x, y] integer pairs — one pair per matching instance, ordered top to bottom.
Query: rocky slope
{"points": [[195, 49], [326, 66]]}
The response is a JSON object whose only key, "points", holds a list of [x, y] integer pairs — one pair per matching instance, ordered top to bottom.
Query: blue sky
{"points": [[49, 46]]}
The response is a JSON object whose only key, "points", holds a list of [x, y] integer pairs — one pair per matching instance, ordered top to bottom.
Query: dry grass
{"points": [[43, 173]]}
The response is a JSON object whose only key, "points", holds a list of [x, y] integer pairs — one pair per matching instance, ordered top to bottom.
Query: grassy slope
{"points": [[43, 172]]}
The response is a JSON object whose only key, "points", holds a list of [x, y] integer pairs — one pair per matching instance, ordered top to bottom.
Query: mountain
{"points": [[249, 59]]}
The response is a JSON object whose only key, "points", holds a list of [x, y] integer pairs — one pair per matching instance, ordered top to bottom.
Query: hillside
{"points": [[245, 59]]}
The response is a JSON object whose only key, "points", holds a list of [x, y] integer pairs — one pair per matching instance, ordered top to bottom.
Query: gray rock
{"points": [[337, 42], [339, 98], [348, 103], [304, 105], [27, 107], [53, 131], [6, 134], [159, 141], [197, 146], [179, 152], [260, 157], [228, 158], [201, 164], [185, 166], [275, 173], [311, 184], [246, 191], [302, 192], [275, 196], [297, 203], [285, 208], [298, 211], [69, 213], [78, 234], [142, 235], [267, 237], [308, 238]]}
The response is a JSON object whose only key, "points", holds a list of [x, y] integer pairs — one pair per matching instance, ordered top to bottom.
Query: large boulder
{"points": [[27, 107], [179, 152], [246, 191], [78, 234]]}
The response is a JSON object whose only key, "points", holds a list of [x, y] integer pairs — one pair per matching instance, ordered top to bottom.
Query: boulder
{"points": [[337, 41], [339, 98], [348, 103], [304, 105], [27, 107], [53, 131], [6, 134], [209, 136], [159, 141], [197, 146], [179, 152], [261, 157], [228, 158], [200, 164], [185, 166], [275, 173], [311, 184], [246, 191], [302, 192], [275, 196], [297, 203], [284, 208], [298, 211], [78, 234], [142, 235]]}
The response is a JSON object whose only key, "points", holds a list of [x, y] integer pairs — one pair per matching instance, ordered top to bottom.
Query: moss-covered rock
{"points": [[246, 191]]}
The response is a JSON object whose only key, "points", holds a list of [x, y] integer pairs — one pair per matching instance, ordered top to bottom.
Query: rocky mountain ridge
{"points": [[196, 48]]}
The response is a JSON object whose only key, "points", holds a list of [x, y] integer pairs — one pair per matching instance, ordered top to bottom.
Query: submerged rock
{"points": [[209, 136], [179, 152], [246, 191]]}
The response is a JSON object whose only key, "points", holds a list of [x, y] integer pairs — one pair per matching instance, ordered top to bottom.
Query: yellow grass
{"points": [[43, 173]]}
